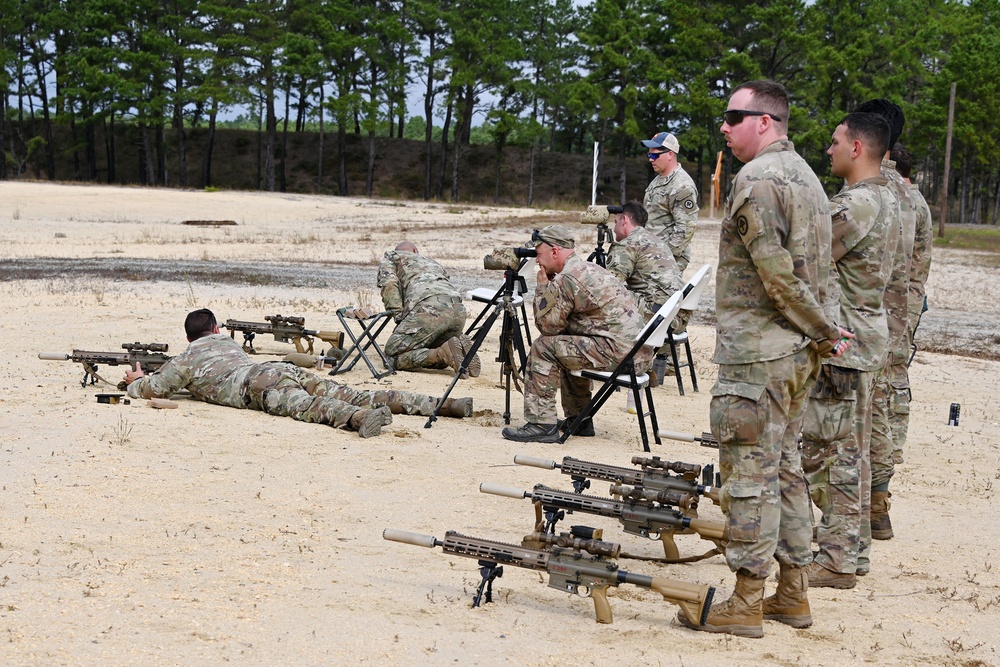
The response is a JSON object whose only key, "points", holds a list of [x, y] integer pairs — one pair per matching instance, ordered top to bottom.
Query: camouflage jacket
{"points": [[672, 204], [864, 216], [920, 260], [647, 267], [775, 267], [405, 279], [897, 292], [586, 300], [213, 368]]}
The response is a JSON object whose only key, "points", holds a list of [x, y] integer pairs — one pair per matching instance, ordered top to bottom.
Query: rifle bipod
{"points": [[489, 571]]}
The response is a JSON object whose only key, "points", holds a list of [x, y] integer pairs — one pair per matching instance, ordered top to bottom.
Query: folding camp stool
{"points": [[371, 326]]}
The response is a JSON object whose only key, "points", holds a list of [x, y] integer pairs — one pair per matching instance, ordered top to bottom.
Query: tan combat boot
{"points": [[450, 354], [475, 365], [456, 407], [369, 423], [881, 525], [820, 577], [790, 603], [741, 614]]}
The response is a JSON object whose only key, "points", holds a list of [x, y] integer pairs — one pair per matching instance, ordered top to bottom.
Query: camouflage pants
{"points": [[428, 325], [550, 361], [288, 391], [756, 414], [891, 417], [836, 433]]}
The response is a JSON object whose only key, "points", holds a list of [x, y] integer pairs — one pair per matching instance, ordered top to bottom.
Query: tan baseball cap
{"points": [[553, 235]]}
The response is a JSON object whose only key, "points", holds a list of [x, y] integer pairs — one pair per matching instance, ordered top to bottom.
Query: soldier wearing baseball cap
{"points": [[671, 198], [555, 235], [585, 319]]}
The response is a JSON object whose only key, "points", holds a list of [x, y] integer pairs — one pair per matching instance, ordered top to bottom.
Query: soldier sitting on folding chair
{"points": [[646, 265], [428, 310], [585, 319]]}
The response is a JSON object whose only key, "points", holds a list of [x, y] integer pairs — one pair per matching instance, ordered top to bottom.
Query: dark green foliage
{"points": [[542, 75]]}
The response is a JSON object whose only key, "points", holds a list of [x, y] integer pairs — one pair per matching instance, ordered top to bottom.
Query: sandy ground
{"points": [[206, 535]]}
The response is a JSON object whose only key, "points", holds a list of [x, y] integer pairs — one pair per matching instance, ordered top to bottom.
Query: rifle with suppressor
{"points": [[284, 330], [150, 355], [706, 439], [654, 474], [643, 519], [576, 563]]}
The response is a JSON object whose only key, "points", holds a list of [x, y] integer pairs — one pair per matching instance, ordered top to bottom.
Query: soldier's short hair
{"points": [[769, 97], [892, 112], [871, 129], [903, 159], [636, 212], [199, 323]]}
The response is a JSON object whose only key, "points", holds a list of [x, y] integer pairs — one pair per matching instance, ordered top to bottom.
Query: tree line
{"points": [[545, 75]]}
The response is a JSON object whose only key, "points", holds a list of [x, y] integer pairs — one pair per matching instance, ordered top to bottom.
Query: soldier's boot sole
{"points": [[452, 354], [475, 365], [370, 423]]}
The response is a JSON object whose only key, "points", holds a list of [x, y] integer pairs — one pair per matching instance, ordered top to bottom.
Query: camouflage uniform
{"points": [[672, 204], [646, 266], [920, 266], [773, 277], [429, 311], [585, 319], [215, 369], [892, 387], [836, 426]]}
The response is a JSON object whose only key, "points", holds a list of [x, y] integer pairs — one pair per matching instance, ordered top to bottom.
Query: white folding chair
{"points": [[692, 295], [652, 335]]}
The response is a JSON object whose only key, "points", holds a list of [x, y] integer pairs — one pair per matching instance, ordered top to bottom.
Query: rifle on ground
{"points": [[285, 330], [150, 355], [654, 475], [643, 519], [577, 562]]}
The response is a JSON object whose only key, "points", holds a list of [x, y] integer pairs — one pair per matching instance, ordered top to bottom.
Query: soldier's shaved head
{"points": [[406, 246]]}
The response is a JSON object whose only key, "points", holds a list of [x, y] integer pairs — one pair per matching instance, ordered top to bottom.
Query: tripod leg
{"points": [[476, 343]]}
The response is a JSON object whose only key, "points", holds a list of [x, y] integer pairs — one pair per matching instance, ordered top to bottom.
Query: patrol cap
{"points": [[663, 140], [553, 235]]}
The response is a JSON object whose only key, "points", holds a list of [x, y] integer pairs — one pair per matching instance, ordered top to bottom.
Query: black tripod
{"points": [[600, 257], [511, 340]]}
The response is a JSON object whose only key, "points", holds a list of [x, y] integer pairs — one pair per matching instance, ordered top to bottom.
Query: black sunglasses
{"points": [[735, 116], [537, 238]]}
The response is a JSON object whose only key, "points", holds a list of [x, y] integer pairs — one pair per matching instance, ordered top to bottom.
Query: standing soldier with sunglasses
{"points": [[671, 198], [773, 281]]}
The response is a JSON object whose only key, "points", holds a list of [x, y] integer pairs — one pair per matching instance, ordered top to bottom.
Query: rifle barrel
{"points": [[406, 537]]}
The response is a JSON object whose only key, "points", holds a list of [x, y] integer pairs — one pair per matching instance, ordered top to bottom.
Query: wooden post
{"points": [[947, 164], [716, 185]]}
